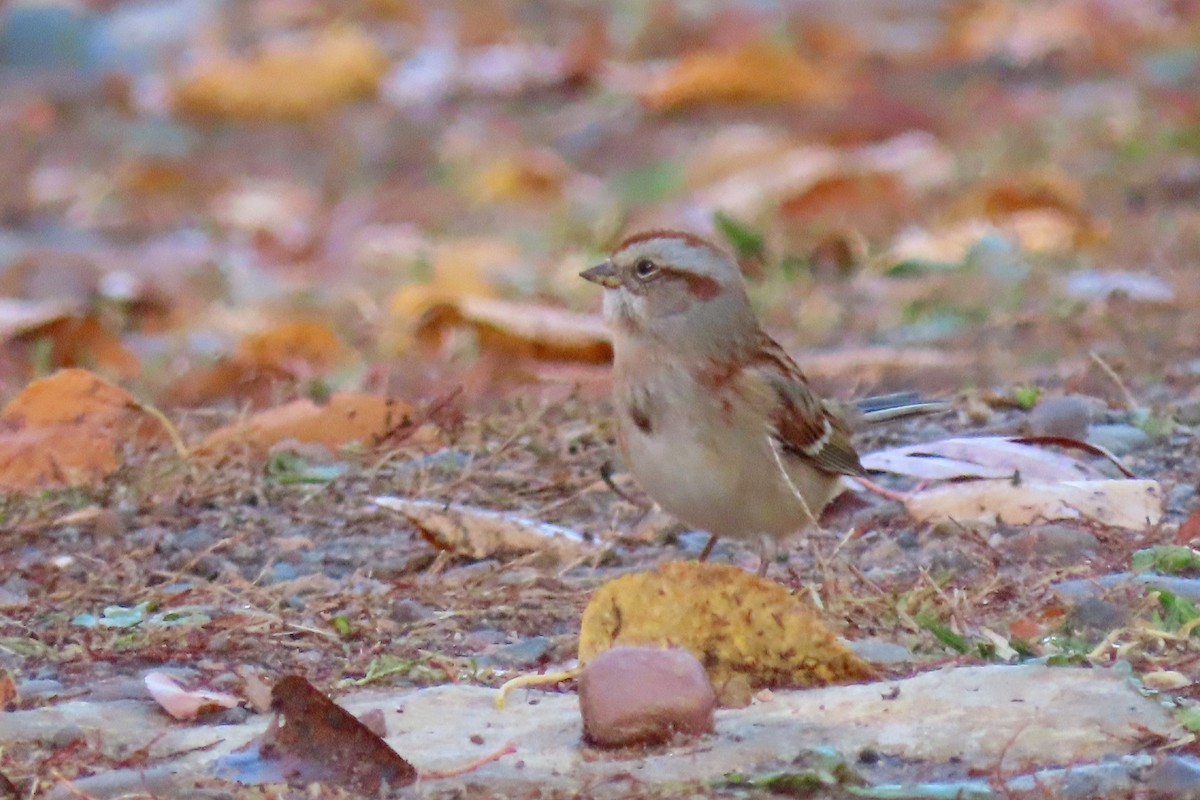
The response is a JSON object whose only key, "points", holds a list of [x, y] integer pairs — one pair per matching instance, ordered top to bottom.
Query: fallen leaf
{"points": [[758, 72], [288, 80], [522, 329], [310, 344], [347, 417], [70, 429], [978, 457], [1130, 504], [1189, 531], [482, 533], [735, 623], [8, 690], [183, 703], [316, 740]]}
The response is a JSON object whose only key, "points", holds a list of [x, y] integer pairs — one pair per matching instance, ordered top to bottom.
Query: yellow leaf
{"points": [[758, 72], [735, 623]]}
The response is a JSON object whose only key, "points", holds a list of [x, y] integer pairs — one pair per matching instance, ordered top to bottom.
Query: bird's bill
{"points": [[604, 274]]}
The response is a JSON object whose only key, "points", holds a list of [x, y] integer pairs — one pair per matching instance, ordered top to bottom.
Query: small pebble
{"points": [[1188, 412], [1067, 416], [1118, 439], [1052, 543], [407, 611], [881, 652], [523, 654], [644, 695], [67, 735], [1175, 777]]}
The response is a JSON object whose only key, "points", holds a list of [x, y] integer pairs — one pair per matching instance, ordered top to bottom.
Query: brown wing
{"points": [[804, 427]]}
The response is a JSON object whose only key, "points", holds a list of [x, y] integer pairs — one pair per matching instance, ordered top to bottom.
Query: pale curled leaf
{"points": [[978, 457], [1129, 504], [483, 533], [183, 703]]}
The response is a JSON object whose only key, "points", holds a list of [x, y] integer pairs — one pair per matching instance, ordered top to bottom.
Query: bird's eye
{"points": [[645, 268]]}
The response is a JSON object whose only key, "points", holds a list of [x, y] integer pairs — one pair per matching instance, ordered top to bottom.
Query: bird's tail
{"points": [[884, 407]]}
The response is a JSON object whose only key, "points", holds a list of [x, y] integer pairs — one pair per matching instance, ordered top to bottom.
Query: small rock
{"points": [[1188, 412], [1067, 416], [1118, 439], [1052, 543], [281, 572], [407, 611], [1099, 615], [880, 652], [523, 654], [644, 695], [67, 735], [1175, 777]]}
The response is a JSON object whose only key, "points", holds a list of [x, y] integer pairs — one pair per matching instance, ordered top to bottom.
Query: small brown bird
{"points": [[715, 420]]}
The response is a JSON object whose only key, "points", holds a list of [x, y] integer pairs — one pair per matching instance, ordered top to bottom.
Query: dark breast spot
{"points": [[640, 418]]}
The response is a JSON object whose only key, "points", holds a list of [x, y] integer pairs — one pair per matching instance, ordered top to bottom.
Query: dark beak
{"points": [[604, 274]]}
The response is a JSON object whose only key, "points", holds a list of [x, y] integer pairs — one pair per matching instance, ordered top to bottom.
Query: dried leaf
{"points": [[758, 72], [287, 80], [523, 329], [83, 340], [310, 344], [347, 417], [69, 429], [978, 457], [1130, 504], [483, 533], [735, 623], [183, 703], [314, 739]]}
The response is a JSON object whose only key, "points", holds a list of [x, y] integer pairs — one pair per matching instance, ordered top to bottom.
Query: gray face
{"points": [[674, 287]]}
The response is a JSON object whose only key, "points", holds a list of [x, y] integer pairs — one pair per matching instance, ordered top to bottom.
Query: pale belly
{"points": [[717, 479]]}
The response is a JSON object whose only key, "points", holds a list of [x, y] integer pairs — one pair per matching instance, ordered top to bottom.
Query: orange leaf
{"points": [[758, 72], [285, 81], [872, 192], [522, 329], [311, 344], [348, 417], [68, 430]]}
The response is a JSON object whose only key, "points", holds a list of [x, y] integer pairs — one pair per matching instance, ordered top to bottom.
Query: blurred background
{"points": [[239, 202]]}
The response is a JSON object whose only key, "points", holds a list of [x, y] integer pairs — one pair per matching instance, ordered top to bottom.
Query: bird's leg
{"points": [[708, 547]]}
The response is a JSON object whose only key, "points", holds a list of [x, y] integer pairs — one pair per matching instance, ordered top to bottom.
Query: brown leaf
{"points": [[758, 72], [286, 81], [522, 329], [285, 354], [347, 417], [69, 430], [1189, 531], [484, 533], [317, 740]]}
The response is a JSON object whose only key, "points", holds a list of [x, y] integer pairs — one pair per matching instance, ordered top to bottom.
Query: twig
{"points": [[1130, 401], [471, 766]]}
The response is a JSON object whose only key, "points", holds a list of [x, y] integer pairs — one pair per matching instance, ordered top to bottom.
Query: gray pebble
{"points": [[1188, 412], [1067, 416], [1119, 439], [1051, 543], [281, 571], [407, 611], [880, 652], [523, 654], [67, 735], [1177, 777]]}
